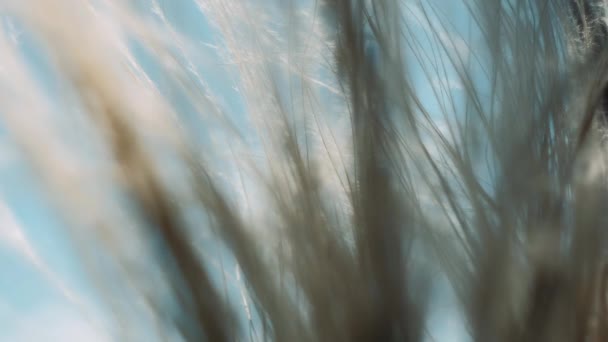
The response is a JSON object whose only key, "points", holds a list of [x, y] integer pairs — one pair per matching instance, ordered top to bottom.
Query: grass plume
{"points": [[308, 170]]}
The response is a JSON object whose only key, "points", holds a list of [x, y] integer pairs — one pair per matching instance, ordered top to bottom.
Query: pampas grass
{"points": [[308, 170]]}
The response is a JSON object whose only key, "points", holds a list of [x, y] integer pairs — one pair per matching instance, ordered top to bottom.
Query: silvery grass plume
{"points": [[310, 170]]}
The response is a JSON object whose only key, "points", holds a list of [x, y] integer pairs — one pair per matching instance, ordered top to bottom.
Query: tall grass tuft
{"points": [[311, 170]]}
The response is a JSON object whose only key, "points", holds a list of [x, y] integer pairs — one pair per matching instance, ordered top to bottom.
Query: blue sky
{"points": [[44, 293]]}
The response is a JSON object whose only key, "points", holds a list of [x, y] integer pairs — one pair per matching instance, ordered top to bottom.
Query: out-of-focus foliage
{"points": [[305, 170]]}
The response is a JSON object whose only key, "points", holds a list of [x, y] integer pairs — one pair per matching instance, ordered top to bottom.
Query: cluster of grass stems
{"points": [[307, 170]]}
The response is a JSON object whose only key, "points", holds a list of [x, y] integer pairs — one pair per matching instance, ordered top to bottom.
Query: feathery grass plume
{"points": [[311, 170]]}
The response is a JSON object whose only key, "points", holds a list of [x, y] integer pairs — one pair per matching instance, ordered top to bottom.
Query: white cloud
{"points": [[12, 236], [51, 324]]}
